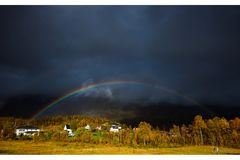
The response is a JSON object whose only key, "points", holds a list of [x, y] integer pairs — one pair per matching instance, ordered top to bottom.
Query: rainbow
{"points": [[107, 83]]}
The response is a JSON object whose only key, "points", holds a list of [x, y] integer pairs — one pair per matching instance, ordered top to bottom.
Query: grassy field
{"points": [[30, 147]]}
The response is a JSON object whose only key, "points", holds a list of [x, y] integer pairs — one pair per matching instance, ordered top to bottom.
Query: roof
{"points": [[115, 124], [67, 126], [27, 127]]}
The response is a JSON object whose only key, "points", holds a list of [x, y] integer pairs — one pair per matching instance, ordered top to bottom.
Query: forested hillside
{"points": [[216, 132]]}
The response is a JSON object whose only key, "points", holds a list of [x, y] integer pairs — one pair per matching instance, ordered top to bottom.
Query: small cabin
{"points": [[87, 127], [115, 127], [98, 128], [27, 130], [68, 130]]}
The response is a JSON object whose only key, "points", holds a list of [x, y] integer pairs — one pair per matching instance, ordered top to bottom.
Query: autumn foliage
{"points": [[216, 132]]}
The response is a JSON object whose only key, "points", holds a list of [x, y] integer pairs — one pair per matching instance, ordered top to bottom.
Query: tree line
{"points": [[216, 132]]}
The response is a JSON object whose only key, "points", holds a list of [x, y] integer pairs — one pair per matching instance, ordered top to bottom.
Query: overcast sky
{"points": [[49, 50]]}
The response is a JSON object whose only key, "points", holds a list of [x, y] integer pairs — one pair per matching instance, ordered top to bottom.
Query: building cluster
{"points": [[28, 130]]}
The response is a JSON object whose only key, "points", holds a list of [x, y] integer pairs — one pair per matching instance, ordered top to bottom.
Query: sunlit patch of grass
{"points": [[31, 147]]}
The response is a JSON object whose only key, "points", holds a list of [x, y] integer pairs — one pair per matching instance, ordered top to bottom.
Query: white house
{"points": [[87, 127], [115, 127], [98, 128], [27, 130], [69, 131]]}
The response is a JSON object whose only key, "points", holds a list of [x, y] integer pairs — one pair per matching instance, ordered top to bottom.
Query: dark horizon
{"points": [[47, 51]]}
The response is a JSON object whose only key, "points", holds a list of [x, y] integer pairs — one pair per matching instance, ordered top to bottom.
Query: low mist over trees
{"points": [[216, 131]]}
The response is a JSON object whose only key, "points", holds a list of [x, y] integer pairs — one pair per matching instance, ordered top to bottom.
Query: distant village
{"points": [[29, 130]]}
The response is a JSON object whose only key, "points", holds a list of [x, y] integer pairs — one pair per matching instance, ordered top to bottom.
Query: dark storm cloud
{"points": [[53, 49]]}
